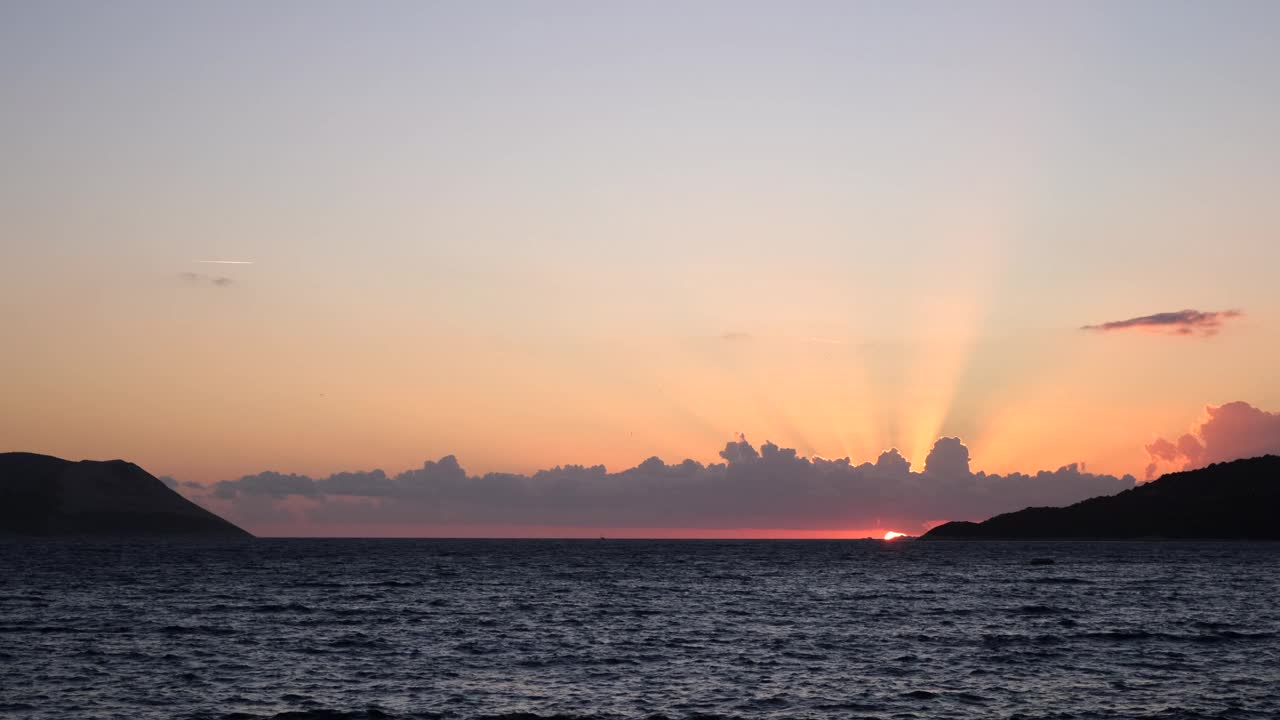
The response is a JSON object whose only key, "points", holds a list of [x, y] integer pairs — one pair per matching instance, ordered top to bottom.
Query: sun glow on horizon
{"points": [[891, 535]]}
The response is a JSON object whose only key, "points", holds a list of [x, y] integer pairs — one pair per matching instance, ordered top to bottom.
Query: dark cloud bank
{"points": [[1181, 322], [767, 487]]}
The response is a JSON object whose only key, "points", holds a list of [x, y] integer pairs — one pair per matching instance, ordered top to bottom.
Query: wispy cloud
{"points": [[226, 262], [202, 279], [1182, 322]]}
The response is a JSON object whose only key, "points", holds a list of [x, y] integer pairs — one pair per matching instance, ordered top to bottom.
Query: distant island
{"points": [[44, 496], [1238, 500]]}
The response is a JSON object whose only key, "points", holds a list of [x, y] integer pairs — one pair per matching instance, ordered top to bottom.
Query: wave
{"points": [[281, 608], [1041, 610], [197, 630], [1125, 636], [1210, 637], [1172, 713]]}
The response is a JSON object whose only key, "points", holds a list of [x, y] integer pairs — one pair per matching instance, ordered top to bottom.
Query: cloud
{"points": [[225, 262], [202, 279], [1182, 322], [735, 336], [1226, 432], [948, 458], [891, 464], [270, 484], [176, 485], [766, 487]]}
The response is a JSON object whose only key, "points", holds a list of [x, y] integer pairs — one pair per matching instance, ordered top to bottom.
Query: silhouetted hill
{"points": [[47, 496], [1238, 500]]}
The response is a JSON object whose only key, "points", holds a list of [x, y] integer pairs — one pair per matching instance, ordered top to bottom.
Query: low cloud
{"points": [[193, 278], [1182, 322], [1226, 432], [270, 484], [176, 485], [766, 487]]}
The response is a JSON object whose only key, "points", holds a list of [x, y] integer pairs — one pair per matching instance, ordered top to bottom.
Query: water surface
{"points": [[632, 629]]}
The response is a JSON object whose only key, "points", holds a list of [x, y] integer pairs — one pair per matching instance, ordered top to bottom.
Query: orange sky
{"points": [[855, 230]]}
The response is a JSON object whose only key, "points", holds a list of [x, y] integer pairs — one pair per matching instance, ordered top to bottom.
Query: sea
{"points": [[578, 629]]}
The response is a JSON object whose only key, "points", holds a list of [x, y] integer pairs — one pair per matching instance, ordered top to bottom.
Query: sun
{"points": [[891, 535]]}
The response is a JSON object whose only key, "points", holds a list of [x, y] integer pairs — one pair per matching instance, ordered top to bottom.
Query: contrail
{"points": [[226, 262]]}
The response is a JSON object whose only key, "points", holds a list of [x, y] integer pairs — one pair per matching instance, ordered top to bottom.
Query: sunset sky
{"points": [[531, 234]]}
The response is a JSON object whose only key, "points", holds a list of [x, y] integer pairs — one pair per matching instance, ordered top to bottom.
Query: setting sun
{"points": [[893, 535]]}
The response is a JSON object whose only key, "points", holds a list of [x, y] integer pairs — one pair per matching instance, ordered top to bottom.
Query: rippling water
{"points": [[632, 629]]}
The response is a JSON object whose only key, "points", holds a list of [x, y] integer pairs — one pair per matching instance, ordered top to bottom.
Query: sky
{"points": [[530, 235]]}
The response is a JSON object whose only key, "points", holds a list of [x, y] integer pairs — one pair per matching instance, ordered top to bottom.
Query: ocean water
{"points": [[636, 629]]}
